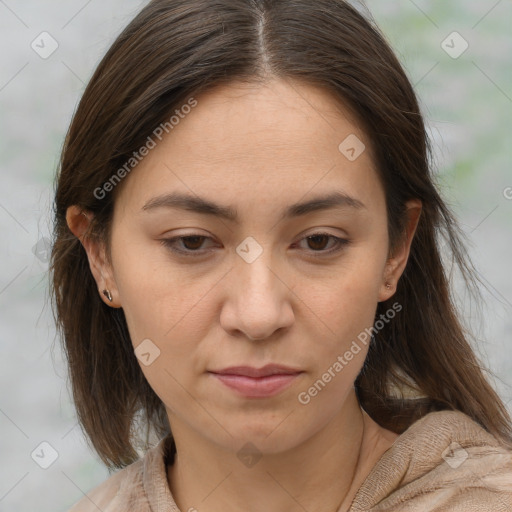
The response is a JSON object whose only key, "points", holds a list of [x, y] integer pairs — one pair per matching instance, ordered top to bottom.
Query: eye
{"points": [[318, 241], [190, 245]]}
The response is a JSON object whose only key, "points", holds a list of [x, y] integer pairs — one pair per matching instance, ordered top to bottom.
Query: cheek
{"points": [[155, 293], [345, 302], [159, 311], [342, 312], [165, 314], [341, 330], [341, 335]]}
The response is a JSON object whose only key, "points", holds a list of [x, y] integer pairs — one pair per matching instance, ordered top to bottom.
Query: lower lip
{"points": [[260, 387]]}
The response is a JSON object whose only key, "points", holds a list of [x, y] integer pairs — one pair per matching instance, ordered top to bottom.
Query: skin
{"points": [[256, 148]]}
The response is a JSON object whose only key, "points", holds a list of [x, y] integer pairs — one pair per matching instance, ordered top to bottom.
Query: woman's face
{"points": [[251, 289]]}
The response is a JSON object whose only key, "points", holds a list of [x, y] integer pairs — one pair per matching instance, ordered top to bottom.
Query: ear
{"points": [[79, 222], [396, 263]]}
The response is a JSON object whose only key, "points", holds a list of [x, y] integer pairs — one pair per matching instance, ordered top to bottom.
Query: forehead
{"points": [[240, 118], [256, 142]]}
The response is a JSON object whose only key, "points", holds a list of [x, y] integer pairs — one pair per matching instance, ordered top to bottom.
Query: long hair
{"points": [[172, 51]]}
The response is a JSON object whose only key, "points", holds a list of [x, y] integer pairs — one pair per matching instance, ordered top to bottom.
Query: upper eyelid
{"points": [[200, 235]]}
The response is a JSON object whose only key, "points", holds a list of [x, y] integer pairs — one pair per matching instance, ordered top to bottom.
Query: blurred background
{"points": [[457, 55]]}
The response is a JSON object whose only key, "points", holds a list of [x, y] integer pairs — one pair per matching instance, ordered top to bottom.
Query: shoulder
{"points": [[444, 461], [131, 488], [107, 493]]}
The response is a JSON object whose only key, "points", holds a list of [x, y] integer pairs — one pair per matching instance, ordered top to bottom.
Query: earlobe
{"points": [[79, 223], [397, 262]]}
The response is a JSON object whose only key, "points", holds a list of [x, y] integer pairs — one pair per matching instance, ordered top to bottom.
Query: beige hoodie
{"points": [[444, 462]]}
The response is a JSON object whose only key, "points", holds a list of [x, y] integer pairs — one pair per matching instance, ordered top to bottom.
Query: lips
{"points": [[265, 371], [257, 382]]}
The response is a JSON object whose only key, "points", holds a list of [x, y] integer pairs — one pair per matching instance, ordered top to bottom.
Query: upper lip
{"points": [[265, 371]]}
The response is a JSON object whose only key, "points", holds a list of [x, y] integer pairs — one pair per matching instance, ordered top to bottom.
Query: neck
{"points": [[322, 473]]}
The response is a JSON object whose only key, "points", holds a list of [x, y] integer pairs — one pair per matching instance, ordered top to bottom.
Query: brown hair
{"points": [[174, 49]]}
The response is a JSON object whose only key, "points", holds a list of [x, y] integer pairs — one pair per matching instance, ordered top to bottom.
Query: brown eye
{"points": [[192, 242], [318, 242], [187, 245]]}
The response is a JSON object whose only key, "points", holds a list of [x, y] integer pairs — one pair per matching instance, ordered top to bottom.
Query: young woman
{"points": [[247, 267]]}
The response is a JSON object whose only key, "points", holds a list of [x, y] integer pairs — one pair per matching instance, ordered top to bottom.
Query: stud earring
{"points": [[388, 286], [108, 295]]}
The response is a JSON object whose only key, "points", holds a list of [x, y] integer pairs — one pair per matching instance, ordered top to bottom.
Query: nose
{"points": [[258, 300]]}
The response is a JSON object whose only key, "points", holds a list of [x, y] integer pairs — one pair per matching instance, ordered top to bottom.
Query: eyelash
{"points": [[341, 243]]}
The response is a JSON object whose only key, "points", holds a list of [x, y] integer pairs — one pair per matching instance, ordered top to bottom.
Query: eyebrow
{"points": [[204, 206]]}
